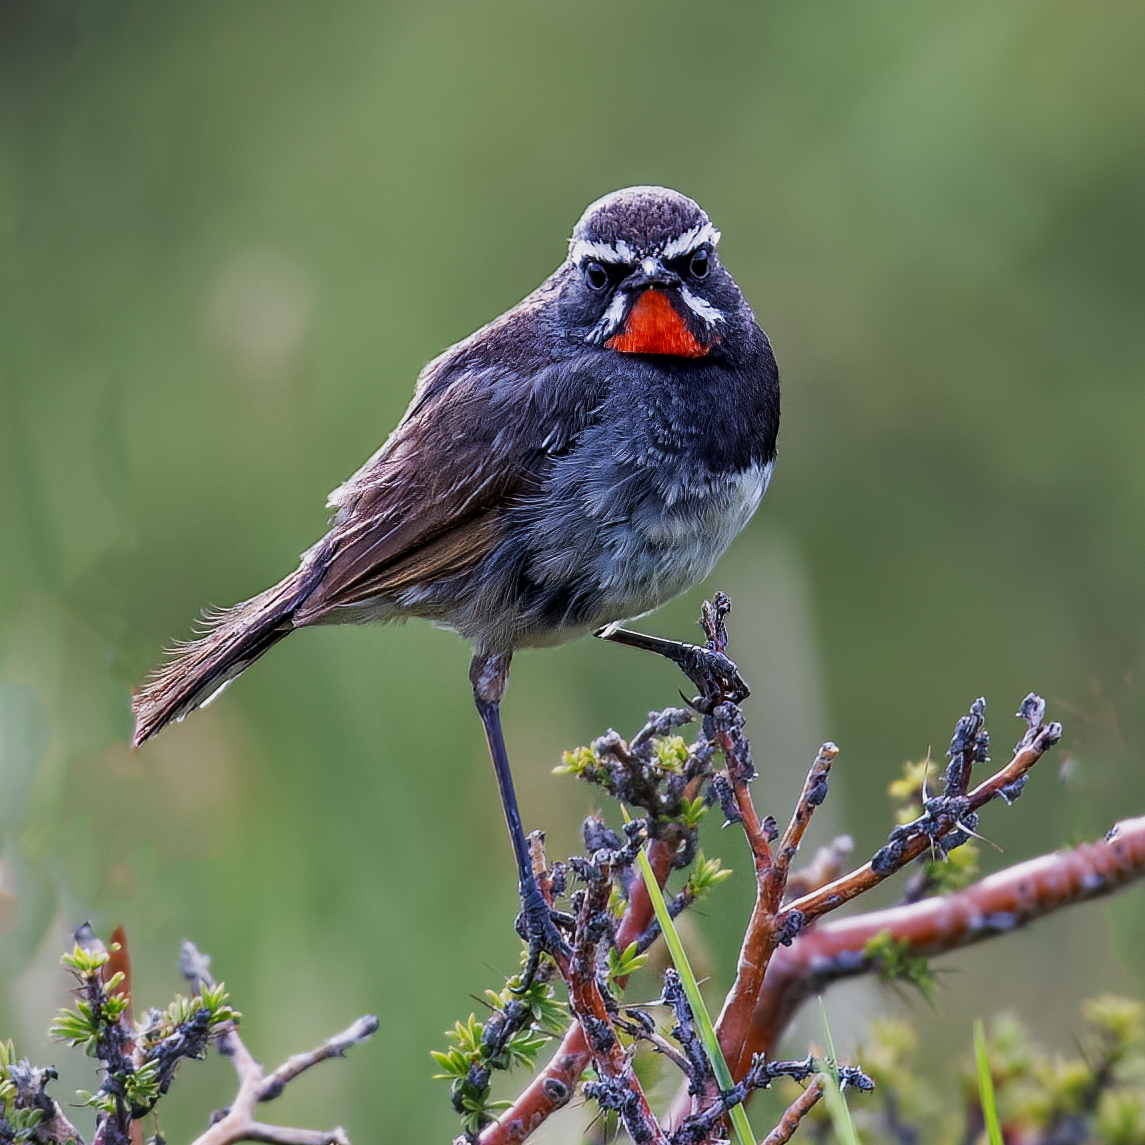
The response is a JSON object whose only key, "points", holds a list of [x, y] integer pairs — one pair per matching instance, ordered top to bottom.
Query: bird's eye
{"points": [[700, 264], [596, 276]]}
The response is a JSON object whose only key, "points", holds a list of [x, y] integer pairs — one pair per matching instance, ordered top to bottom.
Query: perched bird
{"points": [[577, 462]]}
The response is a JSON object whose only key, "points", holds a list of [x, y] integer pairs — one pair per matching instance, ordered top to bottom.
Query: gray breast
{"points": [[630, 538]]}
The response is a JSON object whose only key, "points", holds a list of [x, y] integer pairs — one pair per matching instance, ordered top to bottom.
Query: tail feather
{"points": [[234, 639]]}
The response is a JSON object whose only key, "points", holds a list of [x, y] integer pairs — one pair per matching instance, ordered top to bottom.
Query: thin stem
{"points": [[813, 793], [862, 879], [679, 958], [554, 1085], [793, 1116]]}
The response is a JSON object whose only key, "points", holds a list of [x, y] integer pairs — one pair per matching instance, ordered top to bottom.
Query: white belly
{"points": [[655, 560]]}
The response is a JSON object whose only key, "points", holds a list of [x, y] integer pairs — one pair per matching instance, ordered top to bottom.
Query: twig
{"points": [[724, 727], [813, 793], [908, 842], [825, 866], [767, 928], [335, 1047], [553, 1086], [617, 1086], [793, 1115], [238, 1123], [277, 1135]]}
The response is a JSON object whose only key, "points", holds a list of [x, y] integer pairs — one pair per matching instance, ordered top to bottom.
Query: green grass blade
{"points": [[986, 1085], [837, 1106], [737, 1113]]}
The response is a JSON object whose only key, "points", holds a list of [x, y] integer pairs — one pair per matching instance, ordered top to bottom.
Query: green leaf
{"points": [[671, 754], [582, 762], [692, 811], [957, 870], [706, 873], [85, 961], [895, 962], [622, 964], [986, 1085], [141, 1088], [833, 1097], [737, 1113]]}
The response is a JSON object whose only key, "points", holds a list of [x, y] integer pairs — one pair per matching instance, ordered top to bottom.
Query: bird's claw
{"points": [[715, 674], [537, 925]]}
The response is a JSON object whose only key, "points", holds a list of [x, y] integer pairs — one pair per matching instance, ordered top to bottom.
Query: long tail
{"points": [[235, 639]]}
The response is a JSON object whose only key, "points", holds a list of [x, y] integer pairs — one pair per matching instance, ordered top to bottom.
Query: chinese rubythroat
{"points": [[575, 463]]}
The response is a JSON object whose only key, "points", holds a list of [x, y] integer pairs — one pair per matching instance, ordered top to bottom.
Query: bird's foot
{"points": [[707, 666], [715, 674], [537, 924]]}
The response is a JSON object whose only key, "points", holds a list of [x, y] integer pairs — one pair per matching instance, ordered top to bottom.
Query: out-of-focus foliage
{"points": [[232, 233], [1093, 1096]]}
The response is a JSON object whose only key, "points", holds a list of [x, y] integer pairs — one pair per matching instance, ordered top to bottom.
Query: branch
{"points": [[813, 793], [943, 815], [991, 907], [766, 928], [334, 1047], [553, 1086], [617, 1086], [793, 1115], [238, 1123]]}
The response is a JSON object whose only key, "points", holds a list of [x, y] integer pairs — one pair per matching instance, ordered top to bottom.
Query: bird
{"points": [[568, 467]]}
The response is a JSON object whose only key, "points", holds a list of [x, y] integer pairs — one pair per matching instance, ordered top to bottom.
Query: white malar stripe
{"points": [[690, 240], [617, 252], [700, 307], [613, 316]]}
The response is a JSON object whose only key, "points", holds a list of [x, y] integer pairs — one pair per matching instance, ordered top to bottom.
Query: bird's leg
{"points": [[713, 672], [490, 675]]}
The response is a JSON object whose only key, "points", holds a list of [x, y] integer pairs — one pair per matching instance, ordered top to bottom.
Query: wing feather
{"points": [[433, 501]]}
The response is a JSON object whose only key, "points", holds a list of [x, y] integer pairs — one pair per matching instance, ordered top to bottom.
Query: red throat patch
{"points": [[654, 327]]}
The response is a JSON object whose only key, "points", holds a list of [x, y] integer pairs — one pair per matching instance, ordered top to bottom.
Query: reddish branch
{"points": [[1032, 747], [813, 793], [993, 906], [765, 929], [769, 929], [554, 1085], [616, 1086], [793, 1115]]}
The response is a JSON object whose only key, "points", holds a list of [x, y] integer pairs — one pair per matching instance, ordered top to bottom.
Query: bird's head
{"points": [[643, 276]]}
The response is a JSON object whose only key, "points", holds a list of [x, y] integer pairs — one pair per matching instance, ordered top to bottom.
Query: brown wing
{"points": [[432, 501]]}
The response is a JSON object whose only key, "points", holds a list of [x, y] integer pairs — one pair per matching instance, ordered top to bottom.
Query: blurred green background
{"points": [[233, 233]]}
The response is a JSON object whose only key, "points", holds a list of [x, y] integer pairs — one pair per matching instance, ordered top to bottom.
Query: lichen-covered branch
{"points": [[992, 907]]}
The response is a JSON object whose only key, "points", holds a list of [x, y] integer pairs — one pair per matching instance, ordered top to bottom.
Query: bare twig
{"points": [[724, 727], [813, 793], [908, 842], [826, 866], [768, 928], [335, 1047], [617, 1086], [793, 1115], [238, 1123], [277, 1135]]}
